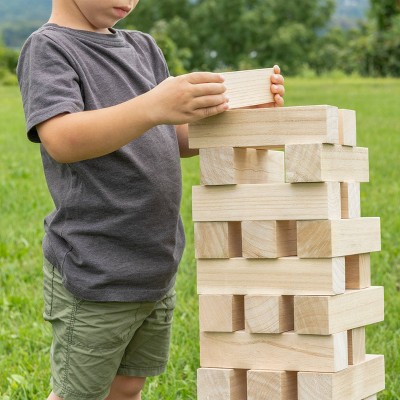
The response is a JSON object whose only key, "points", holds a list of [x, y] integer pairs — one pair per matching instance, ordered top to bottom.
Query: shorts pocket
{"points": [[105, 325]]}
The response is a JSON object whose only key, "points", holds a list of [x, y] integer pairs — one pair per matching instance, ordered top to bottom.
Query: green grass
{"points": [[25, 338]]}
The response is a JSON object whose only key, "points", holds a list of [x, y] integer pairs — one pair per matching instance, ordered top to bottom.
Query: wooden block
{"points": [[249, 87], [266, 127], [347, 127], [322, 162], [217, 166], [228, 166], [259, 166], [350, 199], [274, 201], [341, 237], [217, 239], [269, 239], [358, 271], [286, 276], [221, 313], [268, 314], [324, 315], [356, 345], [283, 352], [356, 382], [221, 384], [271, 385], [373, 397]]}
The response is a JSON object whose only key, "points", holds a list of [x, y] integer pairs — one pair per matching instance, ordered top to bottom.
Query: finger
{"points": [[277, 69], [204, 77], [278, 79], [207, 89], [278, 89], [279, 100], [209, 101], [210, 111]]}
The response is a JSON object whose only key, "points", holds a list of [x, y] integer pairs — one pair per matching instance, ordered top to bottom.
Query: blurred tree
{"points": [[384, 12], [222, 34], [385, 55]]}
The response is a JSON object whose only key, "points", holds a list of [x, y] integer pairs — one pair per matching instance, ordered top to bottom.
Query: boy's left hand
{"points": [[277, 87]]}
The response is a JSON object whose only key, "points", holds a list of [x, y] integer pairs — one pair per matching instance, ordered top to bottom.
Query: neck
{"points": [[67, 14]]}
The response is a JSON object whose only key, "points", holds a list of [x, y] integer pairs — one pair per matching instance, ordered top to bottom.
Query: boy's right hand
{"points": [[187, 98]]}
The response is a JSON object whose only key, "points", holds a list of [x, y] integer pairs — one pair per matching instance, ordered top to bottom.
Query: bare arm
{"points": [[277, 88], [182, 131], [89, 134]]}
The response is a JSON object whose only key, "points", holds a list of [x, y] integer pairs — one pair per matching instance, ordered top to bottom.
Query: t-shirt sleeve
{"points": [[158, 59], [48, 82]]}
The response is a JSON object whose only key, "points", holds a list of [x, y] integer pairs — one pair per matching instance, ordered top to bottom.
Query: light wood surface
{"points": [[248, 87], [266, 127], [347, 127], [326, 162], [228, 166], [350, 198], [275, 201], [341, 237], [217, 239], [269, 239], [358, 271], [284, 276], [221, 313], [268, 314], [324, 315], [356, 345], [283, 352], [356, 382], [221, 384], [271, 385]]}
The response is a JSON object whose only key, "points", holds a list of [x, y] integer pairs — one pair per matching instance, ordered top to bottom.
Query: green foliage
{"points": [[384, 12], [231, 34], [8, 64], [25, 338]]}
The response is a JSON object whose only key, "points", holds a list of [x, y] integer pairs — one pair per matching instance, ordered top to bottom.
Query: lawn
{"points": [[25, 338]]}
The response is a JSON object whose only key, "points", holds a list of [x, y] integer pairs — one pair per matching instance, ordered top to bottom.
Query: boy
{"points": [[102, 106]]}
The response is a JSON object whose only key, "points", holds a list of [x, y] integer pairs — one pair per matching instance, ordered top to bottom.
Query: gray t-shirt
{"points": [[115, 233]]}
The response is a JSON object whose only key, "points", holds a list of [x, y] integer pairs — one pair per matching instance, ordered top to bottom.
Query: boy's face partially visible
{"points": [[99, 15]]}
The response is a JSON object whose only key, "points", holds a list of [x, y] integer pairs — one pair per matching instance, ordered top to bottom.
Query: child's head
{"points": [[93, 15]]}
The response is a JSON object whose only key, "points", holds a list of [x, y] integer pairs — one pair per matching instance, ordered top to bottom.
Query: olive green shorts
{"points": [[94, 341]]}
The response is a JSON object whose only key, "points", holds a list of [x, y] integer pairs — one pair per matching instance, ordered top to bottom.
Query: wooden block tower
{"points": [[283, 263]]}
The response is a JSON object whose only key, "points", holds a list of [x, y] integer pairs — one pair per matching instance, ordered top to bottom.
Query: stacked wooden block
{"points": [[282, 254]]}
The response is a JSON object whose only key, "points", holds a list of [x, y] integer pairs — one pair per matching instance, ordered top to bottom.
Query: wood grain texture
{"points": [[248, 87], [266, 127], [347, 127], [326, 163], [217, 166], [228, 166], [350, 199], [275, 201], [335, 238], [217, 239], [269, 239], [358, 271], [283, 276], [221, 313], [268, 313], [324, 315], [356, 345], [283, 352], [356, 382], [221, 384], [271, 385]]}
